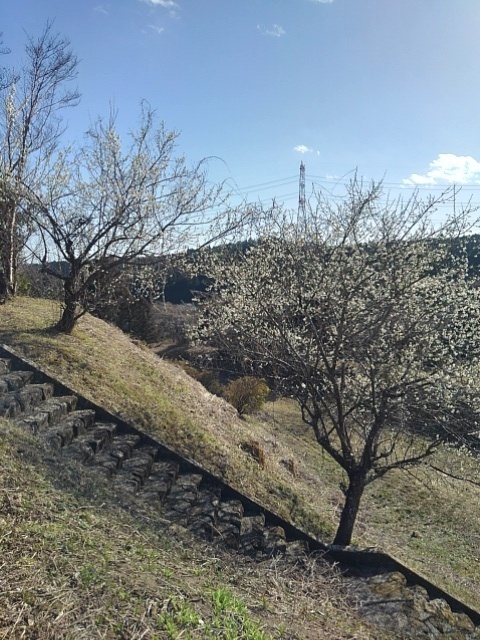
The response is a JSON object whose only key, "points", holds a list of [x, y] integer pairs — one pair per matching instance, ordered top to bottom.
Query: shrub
{"points": [[246, 394]]}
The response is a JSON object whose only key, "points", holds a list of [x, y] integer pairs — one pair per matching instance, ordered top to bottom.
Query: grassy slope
{"points": [[156, 396]]}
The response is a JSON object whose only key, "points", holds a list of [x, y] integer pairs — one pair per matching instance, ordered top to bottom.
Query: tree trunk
{"points": [[9, 251], [12, 256], [3, 288], [71, 310], [69, 318], [353, 497]]}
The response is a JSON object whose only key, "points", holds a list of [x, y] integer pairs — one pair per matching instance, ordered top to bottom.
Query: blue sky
{"points": [[388, 87]]}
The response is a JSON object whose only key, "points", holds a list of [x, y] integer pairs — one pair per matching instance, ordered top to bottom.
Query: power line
{"points": [[334, 180], [330, 184], [400, 185], [262, 186]]}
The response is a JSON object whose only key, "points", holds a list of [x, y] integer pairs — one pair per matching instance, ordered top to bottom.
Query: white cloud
{"points": [[323, 1], [166, 4], [171, 5], [100, 9], [156, 29], [274, 32], [302, 148], [448, 168]]}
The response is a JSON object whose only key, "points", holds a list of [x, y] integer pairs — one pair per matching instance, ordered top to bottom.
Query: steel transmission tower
{"points": [[301, 192]]}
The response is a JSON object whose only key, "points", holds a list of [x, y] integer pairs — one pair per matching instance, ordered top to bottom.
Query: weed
{"points": [[89, 575], [178, 616], [232, 618]]}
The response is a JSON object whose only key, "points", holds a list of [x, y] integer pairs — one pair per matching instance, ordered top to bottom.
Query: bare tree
{"points": [[30, 128], [111, 205], [363, 312]]}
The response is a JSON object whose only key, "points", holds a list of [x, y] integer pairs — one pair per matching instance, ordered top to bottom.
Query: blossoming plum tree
{"points": [[113, 203], [363, 312]]}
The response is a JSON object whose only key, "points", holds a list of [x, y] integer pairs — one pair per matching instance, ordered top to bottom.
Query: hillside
{"points": [[160, 398]]}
